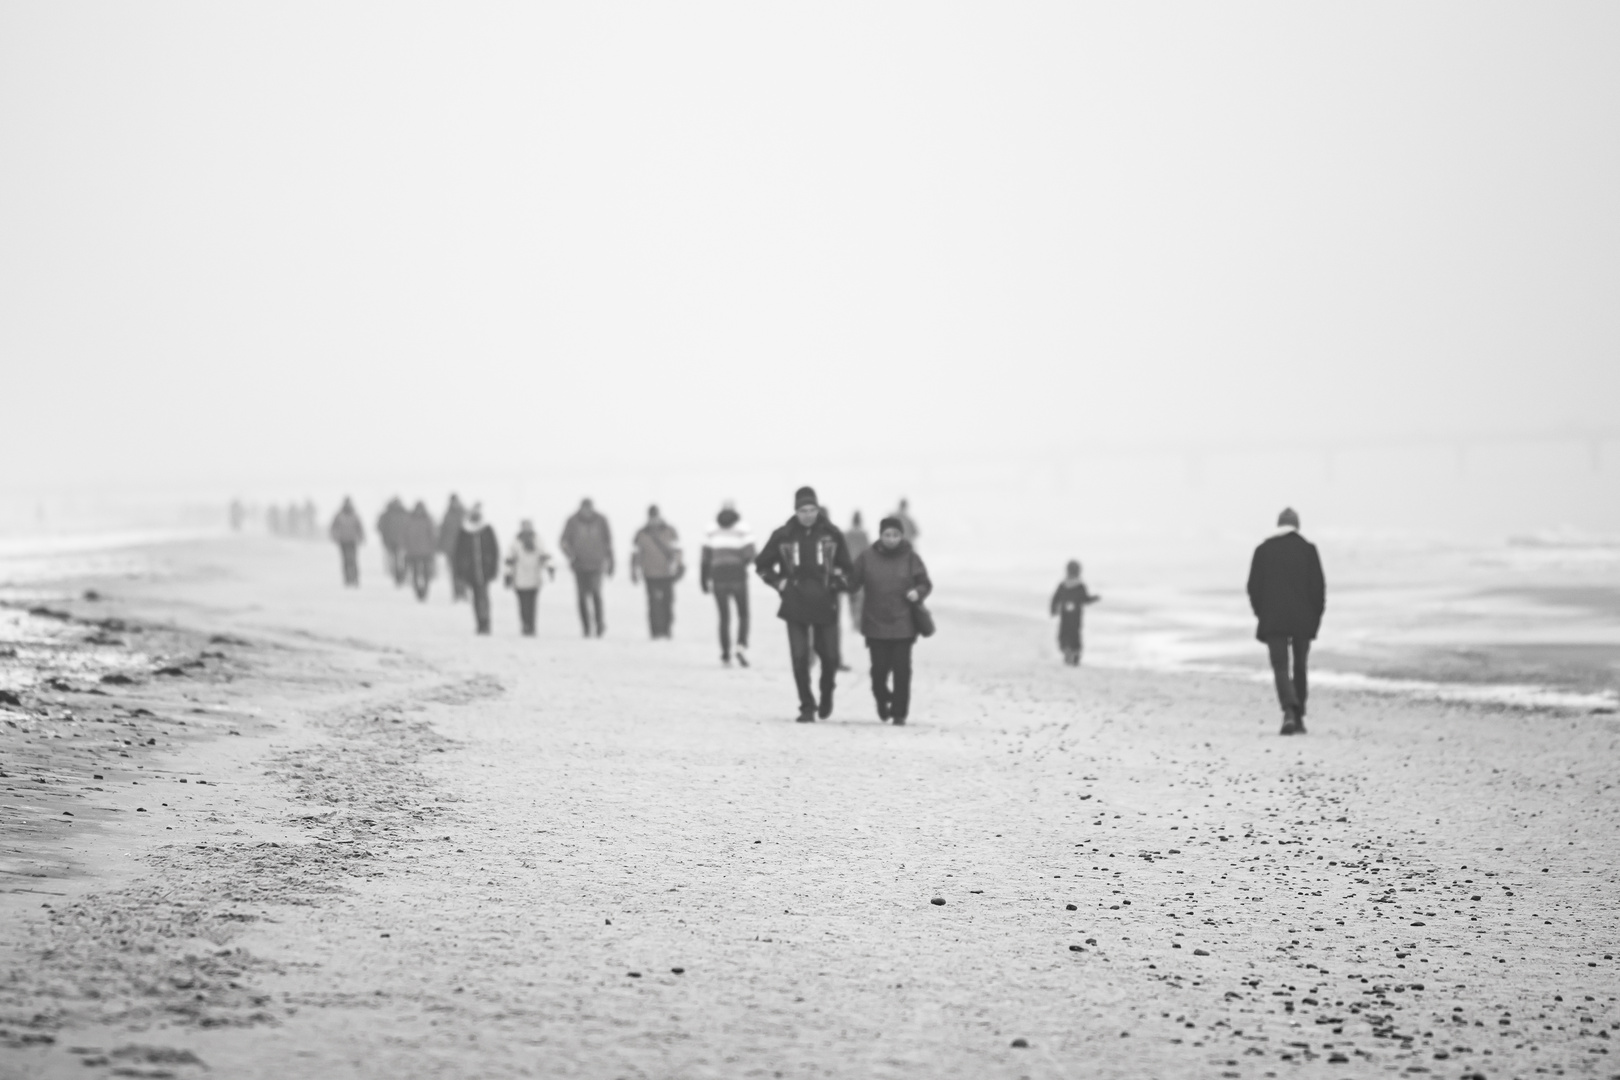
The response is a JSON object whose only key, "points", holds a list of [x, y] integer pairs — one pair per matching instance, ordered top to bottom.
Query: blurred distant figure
{"points": [[902, 514], [238, 515], [309, 517], [272, 519], [391, 531], [349, 534], [449, 535], [419, 540], [857, 541], [587, 544], [727, 552], [655, 554], [477, 561], [807, 563], [525, 564], [896, 582], [1288, 595], [1069, 605]]}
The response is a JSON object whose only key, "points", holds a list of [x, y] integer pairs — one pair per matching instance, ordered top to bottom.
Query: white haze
{"points": [[1051, 269]]}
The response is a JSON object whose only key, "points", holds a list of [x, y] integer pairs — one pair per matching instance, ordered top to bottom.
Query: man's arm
{"points": [[705, 562], [767, 564], [921, 583], [1254, 583], [1318, 584]]}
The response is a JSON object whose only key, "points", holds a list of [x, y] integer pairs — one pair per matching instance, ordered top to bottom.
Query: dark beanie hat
{"points": [[805, 496], [1289, 516], [726, 518], [891, 523], [1073, 567]]}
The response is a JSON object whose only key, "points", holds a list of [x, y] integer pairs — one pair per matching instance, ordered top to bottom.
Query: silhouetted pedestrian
{"points": [[902, 514], [391, 532], [349, 534], [449, 535], [419, 539], [587, 544], [727, 552], [655, 555], [477, 561], [526, 563], [807, 563], [895, 581], [1288, 594], [1069, 605]]}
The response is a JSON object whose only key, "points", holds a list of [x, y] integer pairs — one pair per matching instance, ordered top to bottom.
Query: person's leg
{"points": [[351, 565], [581, 591], [741, 596], [855, 599], [527, 600], [596, 600], [722, 601], [480, 605], [666, 607], [652, 608], [826, 643], [1278, 647], [799, 650], [1302, 652], [882, 657], [902, 679]]}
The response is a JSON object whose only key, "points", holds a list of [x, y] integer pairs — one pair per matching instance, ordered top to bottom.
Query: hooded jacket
{"points": [[391, 524], [346, 527], [419, 536], [587, 542], [727, 551], [478, 554], [526, 566], [809, 567], [887, 575], [1286, 589]]}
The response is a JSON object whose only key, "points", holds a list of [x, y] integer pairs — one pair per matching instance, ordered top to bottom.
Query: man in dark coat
{"points": [[391, 531], [449, 536], [421, 541], [587, 544], [655, 554], [807, 561], [477, 562], [1288, 595]]}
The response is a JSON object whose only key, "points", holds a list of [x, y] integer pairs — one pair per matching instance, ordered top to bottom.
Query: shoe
{"points": [[742, 656], [725, 661], [826, 704], [883, 711], [807, 716], [899, 721], [1291, 723]]}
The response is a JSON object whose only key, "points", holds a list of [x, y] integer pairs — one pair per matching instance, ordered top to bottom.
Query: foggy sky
{"points": [[300, 239]]}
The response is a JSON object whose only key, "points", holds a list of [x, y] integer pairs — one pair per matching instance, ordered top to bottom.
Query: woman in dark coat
{"points": [[894, 579]]}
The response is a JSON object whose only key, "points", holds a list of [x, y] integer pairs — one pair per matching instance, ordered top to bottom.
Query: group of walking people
{"points": [[813, 566]]}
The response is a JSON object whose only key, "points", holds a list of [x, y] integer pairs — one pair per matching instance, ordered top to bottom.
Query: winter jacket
{"points": [[391, 525], [346, 527], [450, 528], [420, 537], [587, 542], [655, 553], [726, 554], [478, 555], [526, 567], [808, 567], [886, 576], [1286, 588], [1070, 600]]}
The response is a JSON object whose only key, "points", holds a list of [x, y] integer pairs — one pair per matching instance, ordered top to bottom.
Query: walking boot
{"points": [[742, 656], [826, 703], [807, 716], [1291, 724]]}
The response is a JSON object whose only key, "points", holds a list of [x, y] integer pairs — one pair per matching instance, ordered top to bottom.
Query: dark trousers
{"points": [[351, 563], [398, 565], [421, 574], [588, 586], [724, 597], [527, 599], [480, 604], [660, 605], [802, 639], [891, 657], [1291, 689]]}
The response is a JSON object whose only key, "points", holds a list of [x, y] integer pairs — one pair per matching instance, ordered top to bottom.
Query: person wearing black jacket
{"points": [[477, 561], [807, 562], [1288, 595]]}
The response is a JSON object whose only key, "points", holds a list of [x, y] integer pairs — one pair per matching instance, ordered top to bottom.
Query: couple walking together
{"points": [[807, 562]]}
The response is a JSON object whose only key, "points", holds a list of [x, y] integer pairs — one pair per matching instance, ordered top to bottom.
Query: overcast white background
{"points": [[244, 246]]}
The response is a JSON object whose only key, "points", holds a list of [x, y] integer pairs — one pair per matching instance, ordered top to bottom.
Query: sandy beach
{"points": [[256, 825]]}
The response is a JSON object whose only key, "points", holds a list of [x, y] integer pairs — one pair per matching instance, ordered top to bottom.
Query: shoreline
{"points": [[430, 853]]}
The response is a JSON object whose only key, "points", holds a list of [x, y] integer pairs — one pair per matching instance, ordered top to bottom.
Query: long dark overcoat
{"points": [[1286, 588]]}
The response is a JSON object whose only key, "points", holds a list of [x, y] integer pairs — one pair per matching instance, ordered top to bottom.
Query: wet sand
{"points": [[420, 853]]}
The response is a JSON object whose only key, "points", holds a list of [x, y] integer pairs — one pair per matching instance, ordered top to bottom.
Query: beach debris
{"points": [[91, 595], [117, 678], [9, 697], [938, 901], [1070, 907], [678, 971], [1020, 1044]]}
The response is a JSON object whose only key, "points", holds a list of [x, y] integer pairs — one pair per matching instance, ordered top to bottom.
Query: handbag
{"points": [[922, 619]]}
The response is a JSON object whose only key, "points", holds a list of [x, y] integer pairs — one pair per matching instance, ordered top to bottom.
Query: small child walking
{"points": [[1069, 605]]}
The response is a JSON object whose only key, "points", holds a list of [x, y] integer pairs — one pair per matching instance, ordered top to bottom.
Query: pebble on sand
{"points": [[938, 901], [1070, 907], [1200, 952], [678, 971], [1022, 1044]]}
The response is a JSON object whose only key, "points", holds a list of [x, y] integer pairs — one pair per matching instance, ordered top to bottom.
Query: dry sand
{"points": [[418, 853]]}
